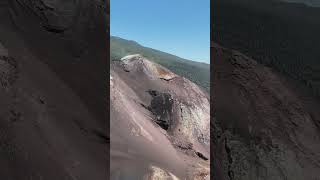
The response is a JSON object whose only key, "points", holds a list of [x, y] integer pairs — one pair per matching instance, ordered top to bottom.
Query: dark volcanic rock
{"points": [[278, 34], [78, 55], [53, 63], [8, 71], [161, 107], [266, 126]]}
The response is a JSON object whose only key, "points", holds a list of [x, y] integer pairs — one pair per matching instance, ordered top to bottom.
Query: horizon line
{"points": [[141, 44]]}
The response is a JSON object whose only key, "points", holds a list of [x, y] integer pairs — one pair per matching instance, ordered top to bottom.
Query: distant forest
{"points": [[197, 72]]}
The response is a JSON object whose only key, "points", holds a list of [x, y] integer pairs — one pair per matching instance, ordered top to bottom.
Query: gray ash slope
{"points": [[52, 106], [159, 123], [266, 125]]}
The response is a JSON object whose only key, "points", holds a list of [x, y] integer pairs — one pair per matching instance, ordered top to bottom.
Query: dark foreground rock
{"points": [[52, 100], [266, 126]]}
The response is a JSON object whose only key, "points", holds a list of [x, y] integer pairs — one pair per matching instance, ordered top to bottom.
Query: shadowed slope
{"points": [[281, 35], [52, 110], [266, 126]]}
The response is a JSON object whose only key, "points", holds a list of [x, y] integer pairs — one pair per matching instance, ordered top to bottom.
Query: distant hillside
{"points": [[315, 3], [282, 35], [197, 72]]}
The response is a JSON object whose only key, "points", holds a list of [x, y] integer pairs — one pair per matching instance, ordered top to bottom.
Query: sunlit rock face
{"points": [[138, 63], [161, 118], [158, 174]]}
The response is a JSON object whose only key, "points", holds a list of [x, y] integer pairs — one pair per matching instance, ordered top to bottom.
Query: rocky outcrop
{"points": [[59, 16], [8, 71], [154, 71], [159, 117], [266, 126], [157, 173]]}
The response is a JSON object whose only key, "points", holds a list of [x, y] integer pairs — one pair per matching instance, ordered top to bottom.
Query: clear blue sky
{"points": [[179, 27]]}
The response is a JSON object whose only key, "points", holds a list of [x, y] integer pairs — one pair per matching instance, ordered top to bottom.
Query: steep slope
{"points": [[281, 35], [75, 36], [198, 73], [52, 110], [159, 120], [266, 126]]}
